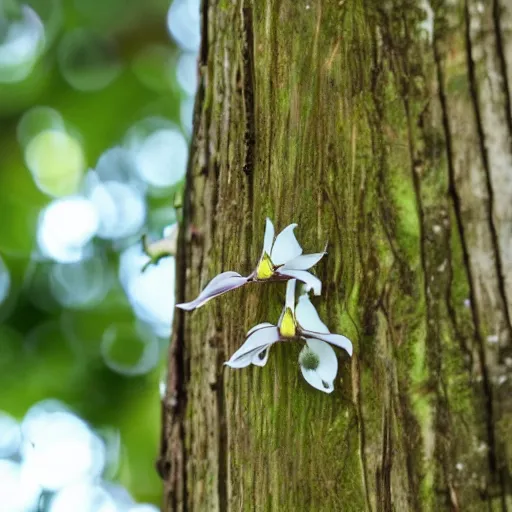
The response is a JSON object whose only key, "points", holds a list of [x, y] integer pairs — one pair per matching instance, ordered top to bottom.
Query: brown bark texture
{"points": [[383, 128]]}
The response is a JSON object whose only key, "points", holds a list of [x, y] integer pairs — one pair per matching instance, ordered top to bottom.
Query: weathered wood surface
{"points": [[384, 128]]}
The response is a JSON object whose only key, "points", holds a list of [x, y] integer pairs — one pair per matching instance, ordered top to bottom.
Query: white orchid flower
{"points": [[281, 260], [317, 360]]}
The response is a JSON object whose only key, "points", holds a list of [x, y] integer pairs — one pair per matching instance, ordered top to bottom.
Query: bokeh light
{"points": [[52, 16], [184, 24], [21, 42], [88, 61], [186, 73], [187, 114], [38, 120], [160, 152], [162, 158], [116, 164], [55, 176], [121, 209], [66, 226], [5, 281], [81, 284], [151, 292], [125, 351], [10, 435], [59, 449], [55, 457], [18, 492], [83, 497], [144, 508]]}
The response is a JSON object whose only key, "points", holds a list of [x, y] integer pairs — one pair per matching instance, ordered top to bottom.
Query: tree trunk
{"points": [[383, 128]]}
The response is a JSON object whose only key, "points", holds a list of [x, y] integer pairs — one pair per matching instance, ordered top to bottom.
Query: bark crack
{"points": [[248, 91], [383, 474]]}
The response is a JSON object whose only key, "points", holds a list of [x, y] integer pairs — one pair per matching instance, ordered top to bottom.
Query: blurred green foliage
{"points": [[47, 350]]}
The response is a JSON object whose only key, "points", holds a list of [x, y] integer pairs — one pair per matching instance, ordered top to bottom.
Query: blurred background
{"points": [[96, 100]]}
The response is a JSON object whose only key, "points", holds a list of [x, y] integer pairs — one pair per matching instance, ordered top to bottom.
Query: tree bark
{"points": [[383, 128]]}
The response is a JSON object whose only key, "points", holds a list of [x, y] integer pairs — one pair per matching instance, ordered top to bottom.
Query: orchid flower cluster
{"points": [[282, 260]]}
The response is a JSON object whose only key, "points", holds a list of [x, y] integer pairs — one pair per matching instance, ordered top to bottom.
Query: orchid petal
{"points": [[268, 238], [285, 247], [304, 262], [311, 281], [217, 286], [290, 294], [290, 299], [282, 315], [307, 316], [258, 327], [334, 339], [254, 344], [261, 357], [244, 360], [322, 376], [316, 381]]}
